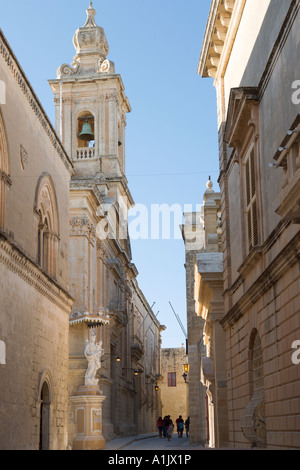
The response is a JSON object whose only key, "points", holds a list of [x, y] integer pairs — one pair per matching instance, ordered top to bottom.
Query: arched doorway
{"points": [[44, 418]]}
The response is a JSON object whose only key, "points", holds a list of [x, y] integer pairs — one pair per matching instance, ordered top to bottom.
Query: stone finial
{"points": [[91, 13], [209, 183]]}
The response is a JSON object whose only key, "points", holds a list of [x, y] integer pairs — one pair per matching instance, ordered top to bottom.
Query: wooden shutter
{"points": [[251, 201], [172, 379]]}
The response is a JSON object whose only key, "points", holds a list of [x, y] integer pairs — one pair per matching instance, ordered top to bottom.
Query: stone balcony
{"points": [[85, 153], [137, 348]]}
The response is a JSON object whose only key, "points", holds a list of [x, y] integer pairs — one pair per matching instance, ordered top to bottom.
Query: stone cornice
{"points": [[215, 36], [97, 79], [23, 82], [15, 260]]}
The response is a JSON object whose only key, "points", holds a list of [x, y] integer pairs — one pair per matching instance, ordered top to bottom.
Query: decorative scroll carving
{"points": [[67, 70]]}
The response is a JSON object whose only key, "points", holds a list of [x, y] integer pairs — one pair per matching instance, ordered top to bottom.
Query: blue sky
{"points": [[171, 135]]}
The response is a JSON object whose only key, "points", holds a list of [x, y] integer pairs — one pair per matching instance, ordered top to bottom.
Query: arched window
{"points": [[4, 170], [47, 230], [253, 418]]}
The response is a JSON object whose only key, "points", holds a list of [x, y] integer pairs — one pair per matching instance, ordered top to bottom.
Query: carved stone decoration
{"points": [[91, 38], [106, 66], [67, 70], [23, 157], [81, 225], [93, 352], [253, 422]]}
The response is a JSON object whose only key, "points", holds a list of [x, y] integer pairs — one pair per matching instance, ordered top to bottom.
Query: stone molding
{"points": [[216, 34], [82, 226], [287, 257], [16, 261]]}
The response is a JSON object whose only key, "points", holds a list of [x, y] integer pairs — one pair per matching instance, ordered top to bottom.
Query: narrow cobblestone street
{"points": [[152, 442]]}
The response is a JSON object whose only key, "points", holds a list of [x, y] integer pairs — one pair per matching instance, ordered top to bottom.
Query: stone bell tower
{"points": [[91, 105], [91, 109]]}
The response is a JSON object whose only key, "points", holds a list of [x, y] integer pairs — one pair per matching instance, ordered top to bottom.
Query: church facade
{"points": [[91, 108], [35, 174], [66, 258]]}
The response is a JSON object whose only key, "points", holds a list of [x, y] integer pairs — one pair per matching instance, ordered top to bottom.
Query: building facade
{"points": [[251, 48], [91, 108], [35, 173], [66, 270], [207, 384], [174, 387]]}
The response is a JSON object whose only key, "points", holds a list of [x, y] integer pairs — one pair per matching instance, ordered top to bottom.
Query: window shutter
{"points": [[251, 201], [255, 223]]}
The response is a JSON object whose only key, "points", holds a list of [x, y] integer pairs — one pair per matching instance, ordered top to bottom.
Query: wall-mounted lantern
{"points": [[186, 369]]}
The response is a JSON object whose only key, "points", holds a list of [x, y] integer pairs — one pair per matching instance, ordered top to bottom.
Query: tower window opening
{"points": [[86, 131]]}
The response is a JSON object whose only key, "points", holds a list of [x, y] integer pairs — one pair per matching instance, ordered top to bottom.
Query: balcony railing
{"points": [[85, 153]]}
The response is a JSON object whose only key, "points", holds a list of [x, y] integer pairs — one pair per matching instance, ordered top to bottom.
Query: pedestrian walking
{"points": [[165, 425], [180, 425], [160, 426], [187, 426], [180, 428], [170, 429]]}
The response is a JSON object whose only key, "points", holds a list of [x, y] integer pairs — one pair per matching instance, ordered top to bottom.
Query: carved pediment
{"points": [[242, 113]]}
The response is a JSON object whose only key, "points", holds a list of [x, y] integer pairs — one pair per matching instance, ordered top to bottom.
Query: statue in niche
{"points": [[93, 352]]}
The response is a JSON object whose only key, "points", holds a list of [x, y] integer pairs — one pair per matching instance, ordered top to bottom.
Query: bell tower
{"points": [[91, 106]]}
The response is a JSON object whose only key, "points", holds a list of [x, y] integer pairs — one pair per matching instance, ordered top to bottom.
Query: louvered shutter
{"points": [[251, 201]]}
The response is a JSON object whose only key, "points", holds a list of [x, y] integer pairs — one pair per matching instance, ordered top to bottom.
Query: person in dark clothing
{"points": [[165, 425], [180, 425], [160, 426], [187, 426]]}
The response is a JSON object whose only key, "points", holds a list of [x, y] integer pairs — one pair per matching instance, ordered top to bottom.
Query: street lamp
{"points": [[118, 359], [186, 369], [135, 371], [156, 388]]}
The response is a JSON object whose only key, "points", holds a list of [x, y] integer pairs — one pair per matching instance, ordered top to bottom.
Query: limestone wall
{"points": [[261, 283], [35, 303], [174, 395]]}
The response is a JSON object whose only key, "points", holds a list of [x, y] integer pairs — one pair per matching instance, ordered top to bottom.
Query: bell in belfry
{"points": [[86, 132]]}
